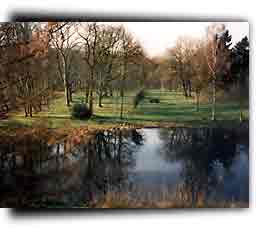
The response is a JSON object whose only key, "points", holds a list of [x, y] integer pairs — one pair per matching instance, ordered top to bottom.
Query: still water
{"points": [[146, 164], [219, 166]]}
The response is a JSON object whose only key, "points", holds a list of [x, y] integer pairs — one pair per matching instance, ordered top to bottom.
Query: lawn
{"points": [[173, 108]]}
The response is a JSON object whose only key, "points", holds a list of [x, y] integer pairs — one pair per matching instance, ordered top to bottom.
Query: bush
{"points": [[138, 98], [154, 100], [81, 111]]}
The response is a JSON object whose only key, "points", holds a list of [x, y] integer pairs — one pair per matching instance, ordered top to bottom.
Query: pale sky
{"points": [[157, 37]]}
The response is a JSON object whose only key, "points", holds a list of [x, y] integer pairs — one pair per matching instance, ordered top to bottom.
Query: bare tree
{"points": [[90, 36], [65, 41], [23, 45], [108, 47], [183, 53], [217, 54], [201, 70]]}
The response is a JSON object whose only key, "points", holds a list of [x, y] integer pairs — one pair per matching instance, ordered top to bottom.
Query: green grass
{"points": [[173, 108]]}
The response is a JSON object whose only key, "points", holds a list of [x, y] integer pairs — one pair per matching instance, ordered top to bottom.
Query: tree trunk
{"points": [[66, 86], [184, 88], [189, 88], [91, 91], [122, 91], [87, 92], [111, 92], [67, 94], [70, 94], [100, 99], [91, 101], [197, 101], [122, 104], [26, 110], [30, 110], [213, 114]]}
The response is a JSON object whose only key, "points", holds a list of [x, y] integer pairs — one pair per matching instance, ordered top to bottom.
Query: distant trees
{"points": [[130, 53], [183, 55], [199, 63], [189, 64], [200, 71], [160, 72]]}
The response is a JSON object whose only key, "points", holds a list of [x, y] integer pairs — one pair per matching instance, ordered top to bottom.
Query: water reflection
{"points": [[211, 160], [147, 164], [64, 173]]}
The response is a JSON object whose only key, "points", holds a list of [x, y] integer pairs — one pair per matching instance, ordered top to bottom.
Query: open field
{"points": [[173, 108]]}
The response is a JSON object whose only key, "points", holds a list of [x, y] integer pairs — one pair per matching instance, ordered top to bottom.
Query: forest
{"points": [[101, 71]]}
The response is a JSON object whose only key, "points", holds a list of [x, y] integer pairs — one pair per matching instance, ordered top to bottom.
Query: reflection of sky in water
{"points": [[148, 158], [152, 171], [237, 180]]}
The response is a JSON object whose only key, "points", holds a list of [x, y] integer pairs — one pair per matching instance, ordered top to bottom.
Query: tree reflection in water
{"points": [[205, 153], [193, 164], [34, 173]]}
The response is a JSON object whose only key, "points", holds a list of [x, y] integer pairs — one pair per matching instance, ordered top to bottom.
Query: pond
{"points": [[216, 165], [144, 166]]}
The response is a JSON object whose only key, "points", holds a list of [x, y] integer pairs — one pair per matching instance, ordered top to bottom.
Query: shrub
{"points": [[138, 98], [154, 100], [81, 111]]}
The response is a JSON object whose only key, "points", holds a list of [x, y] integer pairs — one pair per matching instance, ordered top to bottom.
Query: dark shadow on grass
{"points": [[187, 122]]}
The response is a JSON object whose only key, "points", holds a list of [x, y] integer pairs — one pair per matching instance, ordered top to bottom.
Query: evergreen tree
{"points": [[240, 70]]}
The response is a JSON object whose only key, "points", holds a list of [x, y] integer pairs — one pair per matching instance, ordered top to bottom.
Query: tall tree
{"points": [[90, 37], [65, 41], [108, 46], [183, 53], [218, 57], [201, 70], [240, 70]]}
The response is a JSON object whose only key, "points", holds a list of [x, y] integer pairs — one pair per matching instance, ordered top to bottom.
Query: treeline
{"points": [[39, 58], [100, 59], [206, 65], [23, 67]]}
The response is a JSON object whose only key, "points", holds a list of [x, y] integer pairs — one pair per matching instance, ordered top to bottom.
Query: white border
{"points": [[173, 218]]}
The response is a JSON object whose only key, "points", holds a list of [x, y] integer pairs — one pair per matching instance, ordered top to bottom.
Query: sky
{"points": [[157, 37]]}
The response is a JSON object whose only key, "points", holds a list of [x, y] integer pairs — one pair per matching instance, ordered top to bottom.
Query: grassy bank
{"points": [[173, 109]]}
